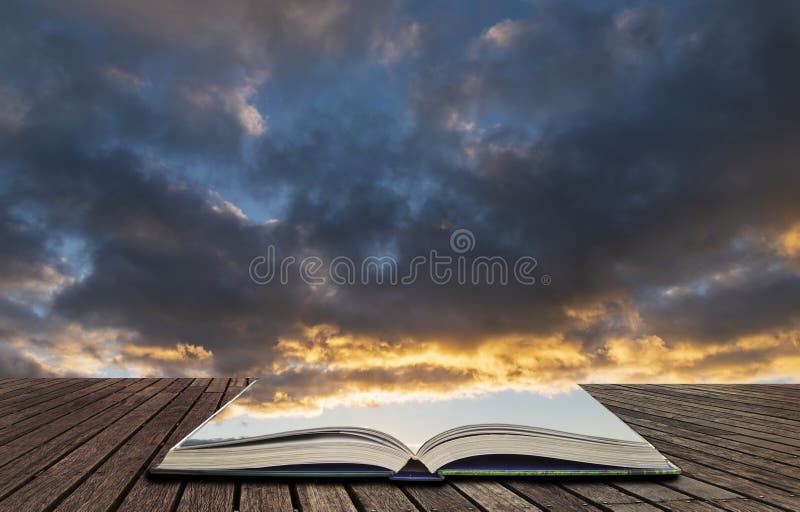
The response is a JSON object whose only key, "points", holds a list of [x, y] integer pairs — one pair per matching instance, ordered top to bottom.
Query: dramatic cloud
{"points": [[646, 156]]}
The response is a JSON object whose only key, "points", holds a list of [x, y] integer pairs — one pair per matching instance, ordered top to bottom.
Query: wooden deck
{"points": [[85, 444]]}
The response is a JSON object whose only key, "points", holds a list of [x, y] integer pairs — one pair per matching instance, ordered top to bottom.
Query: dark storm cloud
{"points": [[631, 150], [642, 186], [161, 253], [26, 258], [729, 311]]}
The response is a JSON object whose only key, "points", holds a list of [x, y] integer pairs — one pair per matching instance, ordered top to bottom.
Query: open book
{"points": [[500, 433]]}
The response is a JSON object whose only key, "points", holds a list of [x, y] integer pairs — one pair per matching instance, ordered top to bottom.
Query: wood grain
{"points": [[265, 496], [324, 497], [381, 497], [441, 497]]}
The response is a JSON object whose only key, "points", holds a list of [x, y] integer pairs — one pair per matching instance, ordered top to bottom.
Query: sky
{"points": [[643, 154], [254, 414]]}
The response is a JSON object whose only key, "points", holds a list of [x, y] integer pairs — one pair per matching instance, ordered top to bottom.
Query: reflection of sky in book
{"points": [[260, 412]]}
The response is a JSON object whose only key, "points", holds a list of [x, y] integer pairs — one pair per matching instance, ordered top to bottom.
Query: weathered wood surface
{"points": [[86, 444]]}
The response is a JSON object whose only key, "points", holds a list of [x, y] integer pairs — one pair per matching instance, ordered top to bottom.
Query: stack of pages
{"points": [[502, 433]]}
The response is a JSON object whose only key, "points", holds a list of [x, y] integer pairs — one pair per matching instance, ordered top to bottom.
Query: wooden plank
{"points": [[12, 385], [218, 385], [25, 386], [35, 390], [742, 390], [788, 390], [231, 392], [735, 393], [763, 395], [31, 398], [775, 399], [74, 400], [721, 402], [695, 404], [640, 405], [672, 405], [701, 406], [46, 418], [705, 425], [62, 432], [773, 441], [745, 444], [772, 445], [787, 462], [742, 466], [763, 477], [734, 482], [54, 483], [104, 487], [698, 489], [651, 491], [599, 492], [160, 494], [215, 494], [604, 495], [206, 496], [265, 496], [438, 496], [492, 496], [324, 497], [380, 497], [551, 497], [788, 502], [745, 505], [692, 506], [634, 507]]}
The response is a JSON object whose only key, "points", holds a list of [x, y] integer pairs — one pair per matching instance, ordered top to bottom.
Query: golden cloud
{"points": [[788, 242], [71, 349], [181, 352], [523, 360], [324, 367]]}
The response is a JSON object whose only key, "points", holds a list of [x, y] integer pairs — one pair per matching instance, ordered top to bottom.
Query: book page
{"points": [[259, 412]]}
